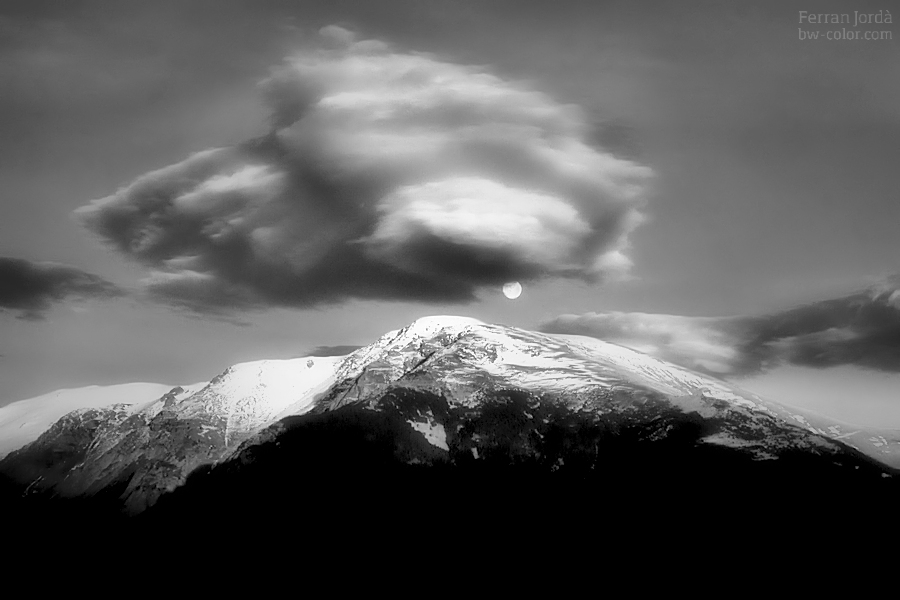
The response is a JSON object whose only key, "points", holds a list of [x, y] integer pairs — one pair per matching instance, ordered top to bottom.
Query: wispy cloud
{"points": [[387, 175], [31, 288], [860, 329], [331, 350]]}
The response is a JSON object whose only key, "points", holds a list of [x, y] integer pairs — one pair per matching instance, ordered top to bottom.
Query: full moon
{"points": [[512, 290]]}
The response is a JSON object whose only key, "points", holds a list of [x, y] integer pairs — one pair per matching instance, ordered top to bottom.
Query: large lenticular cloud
{"points": [[387, 175]]}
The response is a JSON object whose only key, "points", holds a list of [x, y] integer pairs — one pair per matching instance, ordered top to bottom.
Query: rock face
{"points": [[446, 408]]}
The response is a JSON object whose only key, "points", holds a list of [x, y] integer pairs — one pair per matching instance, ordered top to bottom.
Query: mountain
{"points": [[447, 414], [23, 421], [150, 447]]}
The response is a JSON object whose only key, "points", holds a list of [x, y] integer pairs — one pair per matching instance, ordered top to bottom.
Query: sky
{"points": [[188, 185]]}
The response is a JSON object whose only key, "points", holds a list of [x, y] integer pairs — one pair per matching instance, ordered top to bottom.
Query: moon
{"points": [[512, 290]]}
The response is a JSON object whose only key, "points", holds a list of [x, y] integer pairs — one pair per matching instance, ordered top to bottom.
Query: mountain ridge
{"points": [[442, 392]]}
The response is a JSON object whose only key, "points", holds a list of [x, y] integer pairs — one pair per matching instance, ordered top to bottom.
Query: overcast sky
{"points": [[735, 167]]}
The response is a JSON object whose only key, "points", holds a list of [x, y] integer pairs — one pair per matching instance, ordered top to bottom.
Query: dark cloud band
{"points": [[32, 287], [331, 350]]}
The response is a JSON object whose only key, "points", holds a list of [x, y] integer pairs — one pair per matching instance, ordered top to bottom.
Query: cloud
{"points": [[387, 175], [32, 287], [860, 329], [712, 345], [331, 350]]}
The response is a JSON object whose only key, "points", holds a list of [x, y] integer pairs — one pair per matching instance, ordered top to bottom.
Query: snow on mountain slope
{"points": [[528, 359], [176, 394], [250, 395], [23, 421]]}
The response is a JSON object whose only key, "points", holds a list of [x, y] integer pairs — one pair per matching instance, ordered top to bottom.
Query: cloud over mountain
{"points": [[387, 175], [32, 287], [860, 329], [707, 344], [340, 350]]}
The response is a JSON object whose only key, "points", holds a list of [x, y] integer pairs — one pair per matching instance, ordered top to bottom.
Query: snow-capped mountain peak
{"points": [[435, 380], [249, 395]]}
